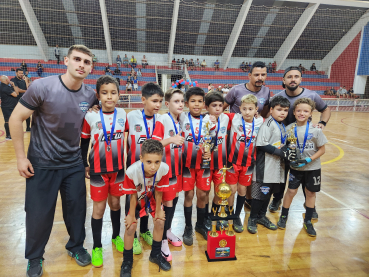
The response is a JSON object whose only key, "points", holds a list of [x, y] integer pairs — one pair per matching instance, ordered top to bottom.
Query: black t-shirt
{"points": [[20, 84], [7, 100]]}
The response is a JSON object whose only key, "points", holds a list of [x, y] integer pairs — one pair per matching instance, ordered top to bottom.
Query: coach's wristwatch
{"points": [[323, 122]]}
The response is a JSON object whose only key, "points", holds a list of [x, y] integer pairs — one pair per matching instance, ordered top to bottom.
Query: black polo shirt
{"points": [[20, 84], [7, 100]]}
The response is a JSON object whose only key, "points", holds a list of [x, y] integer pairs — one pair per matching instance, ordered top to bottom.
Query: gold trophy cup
{"points": [[292, 140], [206, 144], [223, 191]]}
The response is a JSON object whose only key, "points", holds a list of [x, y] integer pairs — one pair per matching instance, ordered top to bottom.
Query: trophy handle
{"points": [[230, 208], [214, 211]]}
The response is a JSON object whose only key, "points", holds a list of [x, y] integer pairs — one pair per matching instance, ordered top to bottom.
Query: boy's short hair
{"points": [[79, 48], [257, 64], [104, 80], [151, 89], [194, 91], [170, 92], [213, 97], [249, 99], [281, 101], [308, 101], [152, 146]]}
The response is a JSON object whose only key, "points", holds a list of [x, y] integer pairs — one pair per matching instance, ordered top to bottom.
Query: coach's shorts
{"points": [[239, 174], [202, 178], [310, 179], [103, 184], [175, 185], [262, 191]]}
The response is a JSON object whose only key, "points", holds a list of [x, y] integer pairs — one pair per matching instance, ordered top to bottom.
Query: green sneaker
{"points": [[147, 237], [119, 244], [137, 250], [97, 257]]}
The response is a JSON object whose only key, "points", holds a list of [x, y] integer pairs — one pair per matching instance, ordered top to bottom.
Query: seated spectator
{"points": [[94, 59], [125, 60], [118, 61], [183, 61], [133, 62], [144, 62], [186, 62], [174, 63], [178, 63], [191, 64], [197, 64], [203, 65], [216, 65], [23, 66], [249, 66], [243, 67], [274, 67], [313, 67], [269, 68], [40, 69], [303, 69], [107, 70], [117, 72], [133, 73], [139, 73], [27, 76], [135, 83], [210, 86], [128, 87], [219, 89], [225, 89], [327, 91], [333, 91], [344, 92], [350, 93]]}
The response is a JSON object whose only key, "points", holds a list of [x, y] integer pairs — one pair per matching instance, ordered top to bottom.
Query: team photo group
{"points": [[148, 158]]}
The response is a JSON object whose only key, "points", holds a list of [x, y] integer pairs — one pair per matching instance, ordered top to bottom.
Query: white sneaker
{"points": [[173, 239], [165, 252]]}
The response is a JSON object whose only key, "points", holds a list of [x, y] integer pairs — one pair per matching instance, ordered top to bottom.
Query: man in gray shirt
{"points": [[58, 105]]}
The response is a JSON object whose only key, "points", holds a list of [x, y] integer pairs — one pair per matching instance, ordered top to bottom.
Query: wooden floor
{"points": [[341, 247]]}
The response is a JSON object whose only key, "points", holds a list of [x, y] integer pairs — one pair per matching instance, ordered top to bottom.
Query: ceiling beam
{"points": [[348, 3], [105, 21], [173, 30]]}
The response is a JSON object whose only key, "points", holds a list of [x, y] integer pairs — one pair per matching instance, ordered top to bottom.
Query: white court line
{"points": [[349, 145]]}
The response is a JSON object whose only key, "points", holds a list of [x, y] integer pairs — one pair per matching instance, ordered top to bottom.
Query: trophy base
{"points": [[224, 215], [221, 248], [219, 260]]}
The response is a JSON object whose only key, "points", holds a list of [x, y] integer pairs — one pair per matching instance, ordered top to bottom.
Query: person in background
{"points": [[125, 60], [119, 61], [133, 62], [144, 62], [197, 64], [203, 65], [216, 65], [23, 66], [243, 67], [40, 69], [117, 72], [139, 73], [135, 83], [9, 99]]}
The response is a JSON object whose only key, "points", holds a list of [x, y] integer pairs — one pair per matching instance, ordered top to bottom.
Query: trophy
{"points": [[291, 138], [206, 145], [223, 191]]}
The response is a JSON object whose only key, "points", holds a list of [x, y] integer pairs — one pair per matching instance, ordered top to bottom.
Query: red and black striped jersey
{"points": [[164, 128], [137, 134], [238, 152], [219, 153], [101, 160]]}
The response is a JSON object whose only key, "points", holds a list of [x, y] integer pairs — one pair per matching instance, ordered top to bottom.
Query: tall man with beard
{"points": [[291, 82], [54, 161]]}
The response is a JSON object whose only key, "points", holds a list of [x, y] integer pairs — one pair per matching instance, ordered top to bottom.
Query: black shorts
{"points": [[310, 179], [262, 191]]}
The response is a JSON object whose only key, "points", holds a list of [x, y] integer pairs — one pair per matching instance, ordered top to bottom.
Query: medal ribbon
{"points": [[145, 122], [175, 127], [244, 131], [216, 136], [305, 137], [283, 138], [108, 141], [196, 141], [147, 203]]}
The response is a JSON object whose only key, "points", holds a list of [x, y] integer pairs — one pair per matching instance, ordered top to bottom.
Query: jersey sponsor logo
{"points": [[262, 100], [84, 106], [121, 122], [99, 125], [187, 126], [138, 128], [240, 128], [223, 129], [171, 133], [116, 136], [310, 136], [190, 138], [243, 139], [141, 140], [220, 141], [308, 146], [265, 189]]}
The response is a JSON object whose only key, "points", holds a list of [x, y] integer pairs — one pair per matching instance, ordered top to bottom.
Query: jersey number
{"points": [[316, 181]]}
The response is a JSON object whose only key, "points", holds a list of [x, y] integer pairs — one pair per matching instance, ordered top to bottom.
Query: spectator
{"points": [[57, 53], [94, 59], [125, 60], [119, 61], [183, 61], [133, 62], [144, 62], [186, 62], [173, 63], [178, 64], [191, 64], [197, 64], [203, 65], [216, 65], [23, 66], [249, 66], [243, 67], [274, 67], [313, 67], [270, 68], [40, 69], [303, 69], [108, 70], [117, 72], [132, 73], [139, 73], [28, 77], [135, 83], [210, 86], [128, 87], [219, 89], [225, 89], [327, 91], [333, 91], [344, 92], [350, 93], [9, 99]]}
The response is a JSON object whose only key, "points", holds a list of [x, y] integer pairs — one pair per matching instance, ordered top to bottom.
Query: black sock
{"points": [[28, 122], [6, 126], [175, 200], [239, 205], [256, 207], [264, 207], [207, 210], [285, 211], [168, 213], [309, 213], [188, 215], [200, 216], [115, 222], [144, 222], [96, 226], [135, 236], [156, 248], [128, 255]]}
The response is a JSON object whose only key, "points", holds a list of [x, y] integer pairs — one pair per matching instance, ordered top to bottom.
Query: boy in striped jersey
{"points": [[169, 132], [106, 169]]}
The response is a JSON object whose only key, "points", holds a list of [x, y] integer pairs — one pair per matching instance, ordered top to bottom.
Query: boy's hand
{"points": [[95, 108], [213, 119], [178, 139], [206, 156], [300, 163], [87, 172], [159, 215], [129, 220]]}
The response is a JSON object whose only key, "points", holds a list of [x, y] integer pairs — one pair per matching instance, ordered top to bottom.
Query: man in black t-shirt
{"points": [[8, 101]]}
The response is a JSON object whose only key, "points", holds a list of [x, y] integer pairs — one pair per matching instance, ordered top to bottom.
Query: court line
{"points": [[352, 125], [342, 153]]}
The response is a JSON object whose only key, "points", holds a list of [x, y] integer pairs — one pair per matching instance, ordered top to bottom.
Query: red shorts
{"points": [[239, 174], [216, 177], [202, 178], [101, 185], [175, 185], [142, 206]]}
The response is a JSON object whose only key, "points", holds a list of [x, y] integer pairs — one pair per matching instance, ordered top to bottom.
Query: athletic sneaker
{"points": [[28, 129], [8, 138], [248, 203], [274, 206], [314, 215], [282, 222], [207, 223], [222, 223], [267, 223], [237, 225], [251, 225], [310, 228], [202, 231], [188, 236], [147, 237], [173, 239], [119, 244], [137, 249], [165, 250], [81, 256], [97, 257], [160, 261], [34, 268], [126, 268]]}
